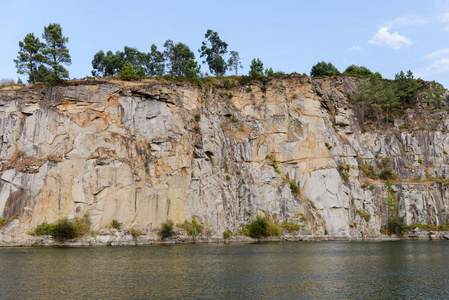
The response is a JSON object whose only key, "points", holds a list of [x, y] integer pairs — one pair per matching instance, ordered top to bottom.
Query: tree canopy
{"points": [[213, 50], [56, 53], [30, 57], [256, 68], [324, 69], [358, 70]]}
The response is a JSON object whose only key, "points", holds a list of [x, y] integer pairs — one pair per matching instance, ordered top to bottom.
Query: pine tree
{"points": [[56, 53], [30, 58], [256, 68]]}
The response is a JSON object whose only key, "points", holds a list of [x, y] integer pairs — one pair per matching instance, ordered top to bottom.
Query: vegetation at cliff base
{"points": [[64, 229], [166, 229]]}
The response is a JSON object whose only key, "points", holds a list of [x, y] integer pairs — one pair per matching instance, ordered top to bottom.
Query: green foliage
{"points": [[214, 49], [55, 53], [177, 57], [30, 58], [154, 62], [234, 62], [256, 68], [191, 69], [324, 69], [358, 70], [127, 72], [269, 72], [406, 87], [434, 94], [197, 117], [344, 170], [368, 171], [387, 175], [294, 188], [364, 214], [116, 224], [394, 225], [290, 227], [193, 228], [258, 228], [273, 228], [64, 229], [135, 233], [226, 234]]}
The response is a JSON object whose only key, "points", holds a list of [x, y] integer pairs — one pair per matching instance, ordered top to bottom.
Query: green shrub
{"points": [[324, 69], [358, 70], [127, 72], [197, 117], [368, 171], [387, 174], [294, 188], [364, 214], [116, 224], [395, 225], [291, 227], [193, 228], [258, 228], [273, 228], [43, 229], [166, 229], [64, 230], [135, 233], [226, 234]]}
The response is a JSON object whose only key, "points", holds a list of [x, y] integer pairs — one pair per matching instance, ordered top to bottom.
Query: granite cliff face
{"points": [[144, 152]]}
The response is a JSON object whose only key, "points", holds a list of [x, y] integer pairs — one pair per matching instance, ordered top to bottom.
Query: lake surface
{"points": [[294, 270]]}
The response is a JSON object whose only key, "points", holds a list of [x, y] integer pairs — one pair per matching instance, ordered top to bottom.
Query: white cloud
{"points": [[408, 20], [394, 40], [355, 48], [437, 54], [436, 67]]}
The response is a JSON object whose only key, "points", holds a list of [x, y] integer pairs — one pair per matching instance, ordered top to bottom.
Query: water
{"points": [[304, 270]]}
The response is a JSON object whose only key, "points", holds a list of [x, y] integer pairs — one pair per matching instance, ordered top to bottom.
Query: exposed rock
{"points": [[136, 153]]}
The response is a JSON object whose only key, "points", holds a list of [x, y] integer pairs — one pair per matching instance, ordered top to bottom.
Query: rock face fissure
{"points": [[142, 153]]}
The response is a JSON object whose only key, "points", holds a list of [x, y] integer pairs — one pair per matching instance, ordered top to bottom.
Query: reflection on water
{"points": [[349, 270]]}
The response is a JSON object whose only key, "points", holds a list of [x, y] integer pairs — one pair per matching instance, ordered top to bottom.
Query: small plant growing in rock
{"points": [[197, 117], [233, 119], [294, 188], [364, 214], [116, 224], [291, 227], [258, 228], [166, 229], [226, 234]]}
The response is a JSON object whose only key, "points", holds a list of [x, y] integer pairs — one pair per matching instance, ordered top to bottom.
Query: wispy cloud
{"points": [[407, 20], [394, 40], [355, 48], [437, 54], [439, 63], [436, 67]]}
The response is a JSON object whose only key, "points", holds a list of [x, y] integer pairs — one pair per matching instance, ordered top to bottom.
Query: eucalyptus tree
{"points": [[213, 50]]}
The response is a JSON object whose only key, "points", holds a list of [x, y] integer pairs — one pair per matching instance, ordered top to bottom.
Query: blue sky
{"points": [[289, 36]]}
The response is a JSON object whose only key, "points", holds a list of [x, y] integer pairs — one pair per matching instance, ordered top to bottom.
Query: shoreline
{"points": [[143, 240]]}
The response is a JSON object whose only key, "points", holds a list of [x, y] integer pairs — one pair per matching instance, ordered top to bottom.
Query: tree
{"points": [[214, 49], [56, 53], [30, 57], [177, 57], [155, 62], [234, 62], [256, 68], [192, 69], [324, 69], [358, 70], [127, 72], [269, 72], [406, 87], [434, 94]]}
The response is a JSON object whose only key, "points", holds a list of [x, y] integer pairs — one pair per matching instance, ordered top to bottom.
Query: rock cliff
{"points": [[144, 152]]}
